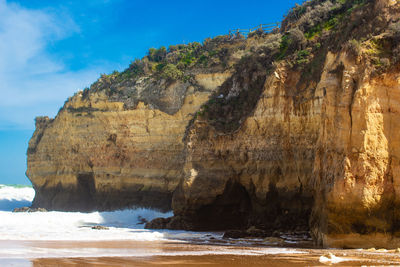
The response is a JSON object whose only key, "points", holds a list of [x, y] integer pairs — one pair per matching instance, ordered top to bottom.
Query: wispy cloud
{"points": [[34, 81]]}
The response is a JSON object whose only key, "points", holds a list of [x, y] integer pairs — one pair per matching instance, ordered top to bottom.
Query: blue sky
{"points": [[49, 49]]}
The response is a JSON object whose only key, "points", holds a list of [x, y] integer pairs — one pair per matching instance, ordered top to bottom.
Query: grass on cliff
{"points": [[168, 63], [175, 63]]}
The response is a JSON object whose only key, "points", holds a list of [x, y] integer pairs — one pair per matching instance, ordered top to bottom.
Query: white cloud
{"points": [[33, 81]]}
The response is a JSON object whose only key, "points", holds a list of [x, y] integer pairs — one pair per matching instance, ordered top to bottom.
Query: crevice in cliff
{"points": [[353, 93], [86, 188]]}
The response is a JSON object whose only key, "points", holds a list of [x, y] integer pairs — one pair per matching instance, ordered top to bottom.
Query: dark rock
{"points": [[23, 209], [27, 209], [39, 210], [141, 220], [158, 223], [172, 223], [178, 223], [100, 227], [254, 232], [235, 234], [276, 234]]}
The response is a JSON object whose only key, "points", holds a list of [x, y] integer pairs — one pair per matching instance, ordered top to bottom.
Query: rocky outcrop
{"points": [[98, 155], [28, 209]]}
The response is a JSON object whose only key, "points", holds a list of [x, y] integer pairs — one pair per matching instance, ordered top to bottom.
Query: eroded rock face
{"points": [[98, 155], [356, 165]]}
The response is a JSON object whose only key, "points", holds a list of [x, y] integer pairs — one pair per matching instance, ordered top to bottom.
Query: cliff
{"points": [[290, 130], [119, 143]]}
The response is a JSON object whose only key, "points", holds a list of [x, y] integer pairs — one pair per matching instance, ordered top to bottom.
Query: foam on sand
{"points": [[331, 259]]}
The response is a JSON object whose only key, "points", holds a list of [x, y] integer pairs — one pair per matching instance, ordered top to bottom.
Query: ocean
{"points": [[67, 239]]}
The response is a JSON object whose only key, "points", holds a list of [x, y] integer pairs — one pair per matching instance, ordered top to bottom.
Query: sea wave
{"points": [[16, 193], [15, 196], [122, 224], [125, 224], [54, 225]]}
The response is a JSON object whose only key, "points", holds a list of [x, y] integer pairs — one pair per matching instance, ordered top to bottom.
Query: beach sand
{"points": [[133, 253]]}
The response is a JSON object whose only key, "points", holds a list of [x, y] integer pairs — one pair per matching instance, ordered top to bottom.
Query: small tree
{"points": [[157, 55]]}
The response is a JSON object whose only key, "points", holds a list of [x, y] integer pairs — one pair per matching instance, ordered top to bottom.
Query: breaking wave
{"points": [[121, 225]]}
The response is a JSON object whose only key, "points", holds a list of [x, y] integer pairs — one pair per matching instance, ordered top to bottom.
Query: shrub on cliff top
{"points": [[394, 30], [293, 41], [157, 55], [137, 67], [170, 72]]}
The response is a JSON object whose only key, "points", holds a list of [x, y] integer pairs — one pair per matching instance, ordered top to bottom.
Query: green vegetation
{"points": [[327, 26], [293, 41], [285, 43], [354, 47], [380, 51], [157, 55], [302, 57], [174, 63], [169, 72]]}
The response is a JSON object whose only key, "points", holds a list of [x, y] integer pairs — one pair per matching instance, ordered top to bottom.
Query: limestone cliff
{"points": [[295, 129], [119, 143], [259, 174]]}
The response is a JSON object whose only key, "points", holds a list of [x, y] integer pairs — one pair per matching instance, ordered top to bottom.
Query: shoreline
{"points": [[165, 253]]}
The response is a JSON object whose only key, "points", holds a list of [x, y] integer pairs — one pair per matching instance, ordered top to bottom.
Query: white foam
{"points": [[12, 193], [123, 225], [77, 226], [331, 259]]}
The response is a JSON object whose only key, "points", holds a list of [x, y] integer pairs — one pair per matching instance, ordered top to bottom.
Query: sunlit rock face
{"points": [[356, 164]]}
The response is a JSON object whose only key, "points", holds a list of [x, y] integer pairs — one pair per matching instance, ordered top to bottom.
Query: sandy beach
{"points": [[132, 253]]}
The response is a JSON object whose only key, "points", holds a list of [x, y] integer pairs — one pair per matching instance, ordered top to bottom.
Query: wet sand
{"points": [[133, 253], [216, 260], [178, 261]]}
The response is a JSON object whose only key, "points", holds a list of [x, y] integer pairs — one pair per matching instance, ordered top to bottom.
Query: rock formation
{"points": [[295, 129], [118, 144], [95, 153]]}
